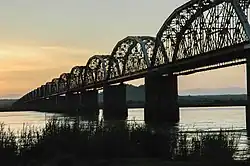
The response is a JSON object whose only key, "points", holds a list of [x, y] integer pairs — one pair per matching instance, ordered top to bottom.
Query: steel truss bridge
{"points": [[199, 35]]}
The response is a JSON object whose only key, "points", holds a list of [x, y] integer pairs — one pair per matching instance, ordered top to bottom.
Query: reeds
{"points": [[94, 141]]}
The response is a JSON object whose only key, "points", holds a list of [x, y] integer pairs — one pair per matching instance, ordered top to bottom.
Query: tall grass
{"points": [[106, 141], [8, 145], [207, 146]]}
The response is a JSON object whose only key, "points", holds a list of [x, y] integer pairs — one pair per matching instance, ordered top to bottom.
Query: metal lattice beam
{"points": [[201, 26], [195, 29], [130, 55], [96, 69], [77, 77]]}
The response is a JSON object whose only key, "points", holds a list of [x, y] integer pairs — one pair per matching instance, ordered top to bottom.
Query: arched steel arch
{"points": [[201, 26], [195, 28], [131, 54], [96, 69], [77, 77], [64, 82], [55, 85], [48, 88], [42, 90], [37, 92], [31, 94], [27, 96]]}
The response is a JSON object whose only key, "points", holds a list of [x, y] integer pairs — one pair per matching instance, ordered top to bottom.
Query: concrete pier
{"points": [[161, 95], [72, 102], [89, 102], [114, 102], [47, 104], [61, 104], [32, 106]]}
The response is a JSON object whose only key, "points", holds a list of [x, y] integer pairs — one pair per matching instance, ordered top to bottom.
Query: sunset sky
{"points": [[42, 39]]}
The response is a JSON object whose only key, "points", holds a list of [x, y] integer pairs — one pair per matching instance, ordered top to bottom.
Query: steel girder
{"points": [[201, 26], [195, 28], [130, 55], [96, 69], [77, 77], [64, 82], [55, 85], [48, 89]]}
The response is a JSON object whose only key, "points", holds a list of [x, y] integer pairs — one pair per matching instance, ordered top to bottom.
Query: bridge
{"points": [[200, 35]]}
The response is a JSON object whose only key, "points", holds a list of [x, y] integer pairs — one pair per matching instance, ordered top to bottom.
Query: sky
{"points": [[40, 39]]}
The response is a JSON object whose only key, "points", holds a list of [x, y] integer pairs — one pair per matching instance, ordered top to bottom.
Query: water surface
{"points": [[190, 118], [212, 118]]}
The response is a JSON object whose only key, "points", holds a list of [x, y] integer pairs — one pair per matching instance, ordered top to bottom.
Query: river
{"points": [[190, 118], [212, 118]]}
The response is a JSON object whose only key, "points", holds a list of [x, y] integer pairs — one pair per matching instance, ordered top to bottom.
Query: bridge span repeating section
{"points": [[199, 35]]}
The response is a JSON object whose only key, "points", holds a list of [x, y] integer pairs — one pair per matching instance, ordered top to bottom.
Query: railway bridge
{"points": [[198, 36]]}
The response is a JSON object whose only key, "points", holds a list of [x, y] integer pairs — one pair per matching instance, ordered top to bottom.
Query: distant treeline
{"points": [[136, 95], [5, 103]]}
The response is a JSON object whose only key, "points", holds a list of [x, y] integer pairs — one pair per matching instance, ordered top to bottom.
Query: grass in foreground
{"points": [[91, 142]]}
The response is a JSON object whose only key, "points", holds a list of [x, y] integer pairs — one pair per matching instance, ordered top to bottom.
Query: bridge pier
{"points": [[161, 95], [248, 96], [72, 102], [114, 102], [89, 103], [60, 104], [47, 105], [32, 106]]}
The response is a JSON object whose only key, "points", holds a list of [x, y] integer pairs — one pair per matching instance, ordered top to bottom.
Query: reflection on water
{"points": [[222, 117], [204, 118], [190, 119]]}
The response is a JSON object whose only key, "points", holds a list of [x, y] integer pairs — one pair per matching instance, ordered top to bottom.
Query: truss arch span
{"points": [[201, 26], [131, 54], [96, 69], [77, 77], [64, 82], [55, 85], [48, 89], [42, 90], [36, 92]]}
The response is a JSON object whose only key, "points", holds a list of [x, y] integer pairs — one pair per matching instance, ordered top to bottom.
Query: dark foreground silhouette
{"points": [[69, 143]]}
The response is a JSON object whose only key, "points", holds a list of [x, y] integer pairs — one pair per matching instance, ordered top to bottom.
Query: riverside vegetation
{"points": [[94, 142]]}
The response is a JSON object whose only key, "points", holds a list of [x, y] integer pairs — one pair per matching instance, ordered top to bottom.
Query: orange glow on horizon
{"points": [[25, 67]]}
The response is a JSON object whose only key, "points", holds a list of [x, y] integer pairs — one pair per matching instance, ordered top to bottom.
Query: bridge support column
{"points": [[161, 95], [248, 96], [72, 102], [114, 102], [89, 103], [48, 104], [61, 104], [32, 106]]}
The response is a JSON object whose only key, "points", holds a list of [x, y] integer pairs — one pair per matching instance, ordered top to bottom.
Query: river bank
{"points": [[107, 142]]}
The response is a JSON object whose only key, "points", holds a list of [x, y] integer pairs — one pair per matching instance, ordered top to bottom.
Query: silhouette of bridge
{"points": [[198, 36]]}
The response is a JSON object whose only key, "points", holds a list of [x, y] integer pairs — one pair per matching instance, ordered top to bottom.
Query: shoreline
{"points": [[141, 105]]}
